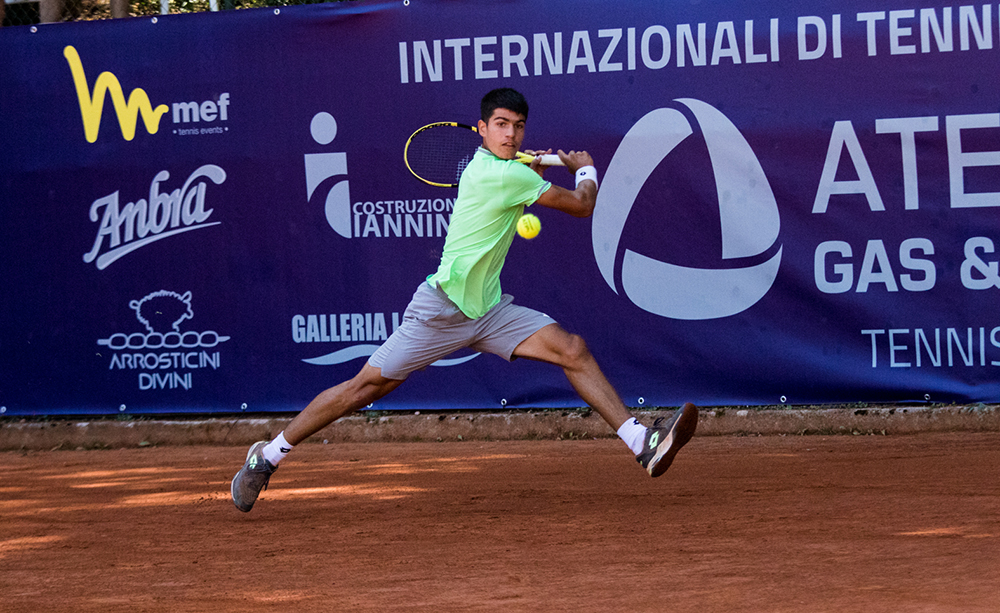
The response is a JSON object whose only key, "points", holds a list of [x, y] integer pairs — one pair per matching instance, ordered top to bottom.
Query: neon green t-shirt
{"points": [[492, 194]]}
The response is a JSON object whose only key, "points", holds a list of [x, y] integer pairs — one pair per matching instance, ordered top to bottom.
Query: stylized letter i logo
{"points": [[322, 166], [747, 208]]}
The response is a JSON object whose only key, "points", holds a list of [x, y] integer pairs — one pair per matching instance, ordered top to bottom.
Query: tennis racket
{"points": [[438, 153]]}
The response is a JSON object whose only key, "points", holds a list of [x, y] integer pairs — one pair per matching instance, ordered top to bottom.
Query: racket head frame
{"points": [[409, 141], [524, 158]]}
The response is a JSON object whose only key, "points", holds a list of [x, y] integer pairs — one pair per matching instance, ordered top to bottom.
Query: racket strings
{"points": [[441, 154]]}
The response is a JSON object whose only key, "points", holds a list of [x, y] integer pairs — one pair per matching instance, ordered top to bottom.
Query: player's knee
{"points": [[575, 352], [366, 388]]}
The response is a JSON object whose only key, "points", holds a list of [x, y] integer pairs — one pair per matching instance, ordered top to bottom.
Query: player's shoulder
{"points": [[485, 163], [485, 166], [521, 174]]}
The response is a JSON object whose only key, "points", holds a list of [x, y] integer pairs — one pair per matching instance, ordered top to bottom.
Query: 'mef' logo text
{"points": [[138, 104], [747, 208]]}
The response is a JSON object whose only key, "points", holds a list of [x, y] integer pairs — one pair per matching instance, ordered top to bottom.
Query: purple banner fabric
{"points": [[210, 213]]}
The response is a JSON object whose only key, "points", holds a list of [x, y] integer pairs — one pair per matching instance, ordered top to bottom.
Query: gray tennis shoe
{"points": [[663, 442], [252, 478]]}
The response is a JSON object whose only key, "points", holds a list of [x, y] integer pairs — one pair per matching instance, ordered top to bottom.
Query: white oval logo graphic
{"points": [[747, 208]]}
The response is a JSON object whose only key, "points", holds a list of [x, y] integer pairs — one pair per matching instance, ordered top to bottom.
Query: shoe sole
{"points": [[678, 436], [232, 484]]}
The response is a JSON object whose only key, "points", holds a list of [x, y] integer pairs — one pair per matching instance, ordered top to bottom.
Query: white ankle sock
{"points": [[634, 434], [276, 450]]}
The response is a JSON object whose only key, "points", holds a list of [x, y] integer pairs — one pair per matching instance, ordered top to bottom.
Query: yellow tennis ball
{"points": [[528, 226]]}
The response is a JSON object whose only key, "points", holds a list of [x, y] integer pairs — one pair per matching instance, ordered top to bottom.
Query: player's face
{"points": [[503, 133]]}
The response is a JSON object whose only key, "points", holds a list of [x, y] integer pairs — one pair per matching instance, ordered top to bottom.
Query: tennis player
{"points": [[461, 305]]}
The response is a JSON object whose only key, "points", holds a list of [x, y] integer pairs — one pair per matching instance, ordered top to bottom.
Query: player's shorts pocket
{"points": [[432, 307], [448, 315]]}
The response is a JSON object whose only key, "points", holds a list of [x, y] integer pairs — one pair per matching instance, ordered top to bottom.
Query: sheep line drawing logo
{"points": [[142, 222], [144, 313], [164, 346]]}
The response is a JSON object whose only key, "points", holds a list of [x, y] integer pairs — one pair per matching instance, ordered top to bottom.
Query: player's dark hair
{"points": [[503, 98]]}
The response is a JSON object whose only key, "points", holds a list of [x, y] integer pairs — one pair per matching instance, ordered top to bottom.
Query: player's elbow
{"points": [[585, 198], [578, 203], [583, 207]]}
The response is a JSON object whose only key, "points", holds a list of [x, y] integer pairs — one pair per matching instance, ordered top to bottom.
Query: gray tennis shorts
{"points": [[433, 327]]}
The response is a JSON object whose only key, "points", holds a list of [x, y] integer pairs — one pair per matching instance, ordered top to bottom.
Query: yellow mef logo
{"points": [[91, 106]]}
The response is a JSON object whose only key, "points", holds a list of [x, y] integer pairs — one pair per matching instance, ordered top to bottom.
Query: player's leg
{"points": [[432, 328], [511, 331], [419, 341], [555, 345], [330, 405], [655, 447], [262, 460]]}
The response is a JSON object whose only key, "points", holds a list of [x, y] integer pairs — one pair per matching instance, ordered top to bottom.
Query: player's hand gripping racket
{"points": [[438, 153]]}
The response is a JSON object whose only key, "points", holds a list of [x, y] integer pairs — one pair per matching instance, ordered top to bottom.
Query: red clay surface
{"points": [[797, 524]]}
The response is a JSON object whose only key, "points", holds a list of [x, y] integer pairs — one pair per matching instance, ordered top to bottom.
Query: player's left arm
{"points": [[578, 202]]}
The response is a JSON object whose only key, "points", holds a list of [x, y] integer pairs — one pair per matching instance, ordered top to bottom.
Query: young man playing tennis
{"points": [[461, 305]]}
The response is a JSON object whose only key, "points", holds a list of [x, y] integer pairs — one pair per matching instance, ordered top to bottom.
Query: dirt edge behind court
{"points": [[126, 432]]}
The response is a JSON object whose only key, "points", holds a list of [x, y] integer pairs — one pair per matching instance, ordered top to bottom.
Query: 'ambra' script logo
{"points": [[138, 103], [747, 208], [142, 222]]}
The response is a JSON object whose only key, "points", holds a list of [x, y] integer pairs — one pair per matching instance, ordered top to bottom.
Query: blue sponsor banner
{"points": [[210, 213]]}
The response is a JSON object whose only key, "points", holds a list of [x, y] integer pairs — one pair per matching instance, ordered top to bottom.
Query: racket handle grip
{"points": [[551, 159]]}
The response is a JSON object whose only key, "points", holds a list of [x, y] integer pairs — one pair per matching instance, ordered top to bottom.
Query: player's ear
{"points": [[481, 126]]}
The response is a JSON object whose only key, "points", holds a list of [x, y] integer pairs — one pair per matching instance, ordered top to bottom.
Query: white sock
{"points": [[633, 433], [276, 450]]}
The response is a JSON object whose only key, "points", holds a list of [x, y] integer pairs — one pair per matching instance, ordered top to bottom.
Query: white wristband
{"points": [[587, 173]]}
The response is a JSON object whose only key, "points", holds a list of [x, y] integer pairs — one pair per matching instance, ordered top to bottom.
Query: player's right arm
{"points": [[578, 202]]}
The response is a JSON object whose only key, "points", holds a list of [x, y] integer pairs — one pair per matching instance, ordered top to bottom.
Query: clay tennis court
{"points": [[774, 523]]}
